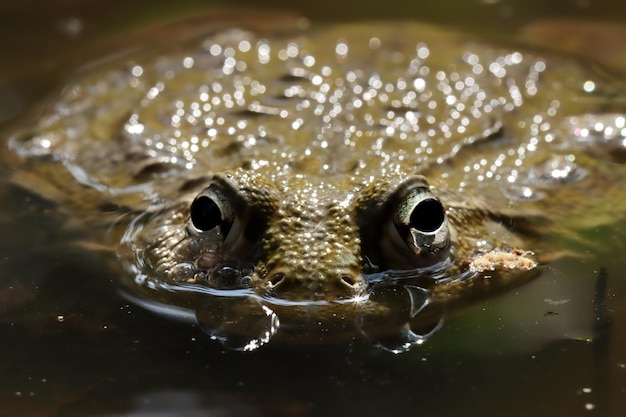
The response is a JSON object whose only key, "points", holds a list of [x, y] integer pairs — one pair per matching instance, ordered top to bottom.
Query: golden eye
{"points": [[210, 210], [205, 213], [420, 219], [413, 231]]}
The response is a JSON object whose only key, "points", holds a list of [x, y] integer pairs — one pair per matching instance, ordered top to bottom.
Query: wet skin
{"points": [[309, 166]]}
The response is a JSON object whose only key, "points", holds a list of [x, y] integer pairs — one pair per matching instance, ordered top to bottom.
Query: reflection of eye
{"points": [[210, 210]]}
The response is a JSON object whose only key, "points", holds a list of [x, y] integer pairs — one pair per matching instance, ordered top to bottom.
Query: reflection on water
{"points": [[397, 323], [75, 346]]}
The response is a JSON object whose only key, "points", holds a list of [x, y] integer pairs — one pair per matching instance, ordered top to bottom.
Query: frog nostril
{"points": [[275, 279], [350, 280], [314, 285]]}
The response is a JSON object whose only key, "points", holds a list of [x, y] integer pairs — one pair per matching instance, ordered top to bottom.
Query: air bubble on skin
{"points": [[341, 49], [589, 86], [601, 135], [28, 145], [557, 169], [518, 192], [183, 272], [200, 276], [226, 277]]}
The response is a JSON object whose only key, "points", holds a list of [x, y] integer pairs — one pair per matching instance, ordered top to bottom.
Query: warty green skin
{"points": [[312, 135]]}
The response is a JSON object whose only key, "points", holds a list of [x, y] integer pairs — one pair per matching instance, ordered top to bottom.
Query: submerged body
{"points": [[294, 173]]}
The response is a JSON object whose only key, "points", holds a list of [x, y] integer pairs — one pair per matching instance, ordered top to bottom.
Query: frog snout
{"points": [[305, 285]]}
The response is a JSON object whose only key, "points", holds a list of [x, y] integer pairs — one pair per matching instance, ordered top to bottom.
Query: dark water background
{"points": [[70, 346]]}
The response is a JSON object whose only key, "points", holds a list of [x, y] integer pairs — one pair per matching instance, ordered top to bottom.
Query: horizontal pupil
{"points": [[205, 213]]}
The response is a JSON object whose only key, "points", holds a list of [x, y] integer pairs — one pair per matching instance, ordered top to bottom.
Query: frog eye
{"points": [[210, 210], [205, 213], [421, 222], [415, 231]]}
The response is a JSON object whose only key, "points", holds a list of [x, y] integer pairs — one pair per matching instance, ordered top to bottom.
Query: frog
{"points": [[302, 180]]}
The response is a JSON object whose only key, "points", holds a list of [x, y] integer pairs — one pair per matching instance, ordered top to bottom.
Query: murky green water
{"points": [[72, 346]]}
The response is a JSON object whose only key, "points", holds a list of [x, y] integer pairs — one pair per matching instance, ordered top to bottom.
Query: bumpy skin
{"points": [[311, 136]]}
